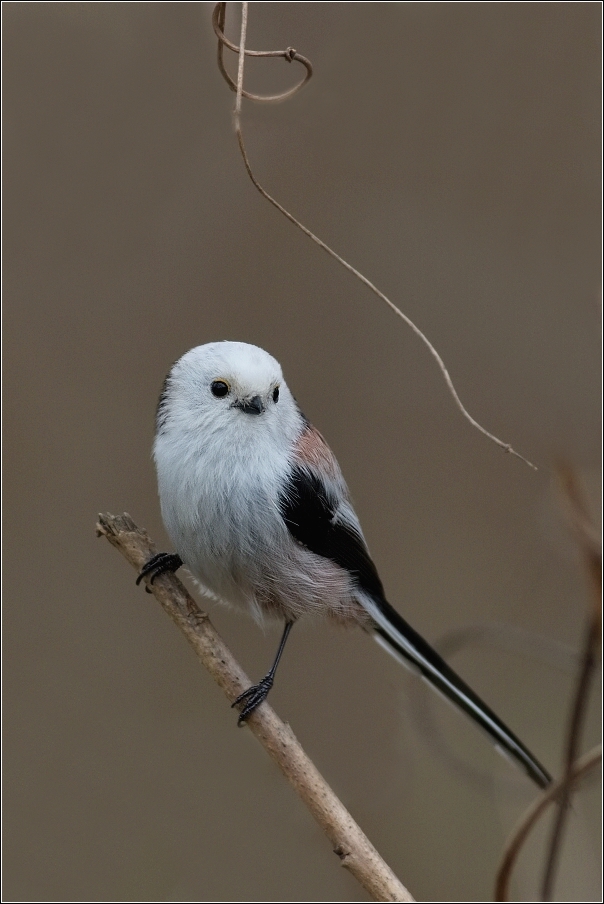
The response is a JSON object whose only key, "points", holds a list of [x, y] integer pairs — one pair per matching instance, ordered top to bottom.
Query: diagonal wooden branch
{"points": [[351, 845]]}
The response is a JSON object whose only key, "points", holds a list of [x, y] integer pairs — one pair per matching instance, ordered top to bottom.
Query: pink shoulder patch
{"points": [[311, 449]]}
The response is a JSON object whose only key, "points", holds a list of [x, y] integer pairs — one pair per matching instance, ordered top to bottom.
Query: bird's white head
{"points": [[230, 391]]}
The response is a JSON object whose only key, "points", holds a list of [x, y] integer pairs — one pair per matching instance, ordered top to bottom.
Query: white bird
{"points": [[257, 508]]}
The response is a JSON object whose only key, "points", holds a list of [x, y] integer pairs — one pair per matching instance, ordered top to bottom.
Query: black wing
{"points": [[311, 517]]}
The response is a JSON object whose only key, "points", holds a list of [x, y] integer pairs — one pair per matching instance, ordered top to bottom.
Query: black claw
{"points": [[159, 564], [257, 693], [253, 697]]}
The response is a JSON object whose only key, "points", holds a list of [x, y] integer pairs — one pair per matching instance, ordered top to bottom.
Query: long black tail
{"points": [[404, 640]]}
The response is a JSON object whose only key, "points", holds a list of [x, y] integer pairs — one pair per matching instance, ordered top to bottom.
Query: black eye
{"points": [[219, 388], [276, 394]]}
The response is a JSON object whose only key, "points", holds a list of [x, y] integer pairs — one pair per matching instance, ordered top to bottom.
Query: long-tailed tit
{"points": [[258, 511]]}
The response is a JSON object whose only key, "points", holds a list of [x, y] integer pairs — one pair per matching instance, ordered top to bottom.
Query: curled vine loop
{"points": [[289, 54]]}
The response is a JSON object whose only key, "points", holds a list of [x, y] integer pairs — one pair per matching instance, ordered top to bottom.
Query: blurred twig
{"points": [[218, 20], [592, 556], [573, 768], [516, 840], [353, 848]]}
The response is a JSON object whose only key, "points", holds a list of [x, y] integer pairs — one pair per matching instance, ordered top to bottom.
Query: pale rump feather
{"points": [[308, 585]]}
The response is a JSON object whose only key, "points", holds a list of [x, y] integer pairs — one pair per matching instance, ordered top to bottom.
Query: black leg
{"points": [[159, 564], [255, 695]]}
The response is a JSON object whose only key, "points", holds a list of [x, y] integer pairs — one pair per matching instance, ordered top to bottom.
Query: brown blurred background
{"points": [[451, 152]]}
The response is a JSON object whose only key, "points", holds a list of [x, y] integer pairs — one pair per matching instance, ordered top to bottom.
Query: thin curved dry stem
{"points": [[241, 93], [592, 555], [518, 837], [355, 851]]}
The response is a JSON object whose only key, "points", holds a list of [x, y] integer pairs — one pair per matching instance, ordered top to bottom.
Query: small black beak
{"points": [[251, 406]]}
